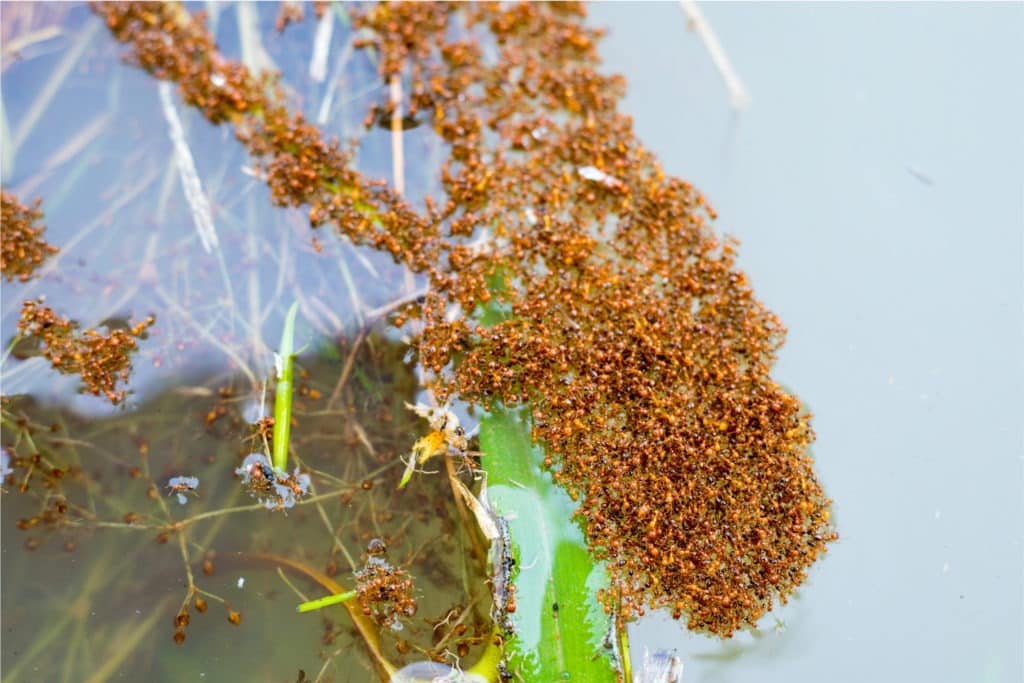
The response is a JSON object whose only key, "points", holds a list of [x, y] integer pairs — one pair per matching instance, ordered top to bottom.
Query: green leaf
{"points": [[559, 625]]}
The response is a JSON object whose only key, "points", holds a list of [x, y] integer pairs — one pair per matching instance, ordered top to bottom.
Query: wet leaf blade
{"points": [[559, 623]]}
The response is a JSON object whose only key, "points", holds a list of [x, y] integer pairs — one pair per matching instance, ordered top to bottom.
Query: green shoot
{"points": [[284, 361], [326, 601]]}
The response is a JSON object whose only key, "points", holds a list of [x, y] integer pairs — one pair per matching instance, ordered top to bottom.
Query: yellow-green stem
{"points": [[283, 396]]}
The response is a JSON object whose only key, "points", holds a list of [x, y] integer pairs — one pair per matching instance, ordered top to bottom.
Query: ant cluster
{"points": [[24, 248], [628, 329], [102, 360], [276, 490], [385, 593]]}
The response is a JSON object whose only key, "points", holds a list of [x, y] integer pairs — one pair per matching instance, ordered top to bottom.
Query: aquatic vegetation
{"points": [[24, 248], [284, 363], [220, 537]]}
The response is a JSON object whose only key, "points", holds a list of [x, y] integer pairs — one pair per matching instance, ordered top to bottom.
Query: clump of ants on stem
{"points": [[385, 593]]}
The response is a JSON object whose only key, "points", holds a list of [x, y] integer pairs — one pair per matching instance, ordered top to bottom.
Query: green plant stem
{"points": [[283, 395], [326, 601]]}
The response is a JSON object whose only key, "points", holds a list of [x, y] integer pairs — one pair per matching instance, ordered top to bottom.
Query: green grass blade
{"points": [[283, 396], [326, 601], [560, 626]]}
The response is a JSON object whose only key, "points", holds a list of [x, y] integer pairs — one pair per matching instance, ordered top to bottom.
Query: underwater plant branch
{"points": [[369, 319], [208, 336], [285, 363], [309, 500], [179, 525], [335, 541], [187, 560], [288, 582]]}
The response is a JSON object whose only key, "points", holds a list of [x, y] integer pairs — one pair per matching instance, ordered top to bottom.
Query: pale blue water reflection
{"points": [[875, 182]]}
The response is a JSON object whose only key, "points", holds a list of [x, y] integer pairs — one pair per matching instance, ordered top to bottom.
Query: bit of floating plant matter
{"points": [[598, 176], [202, 217], [327, 601]]}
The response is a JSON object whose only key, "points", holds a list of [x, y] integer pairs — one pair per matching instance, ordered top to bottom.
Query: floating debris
{"points": [[920, 175], [598, 176], [190, 183], [660, 666], [435, 672]]}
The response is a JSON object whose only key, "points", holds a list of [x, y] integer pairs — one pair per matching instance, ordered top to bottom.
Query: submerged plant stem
{"points": [[326, 601]]}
